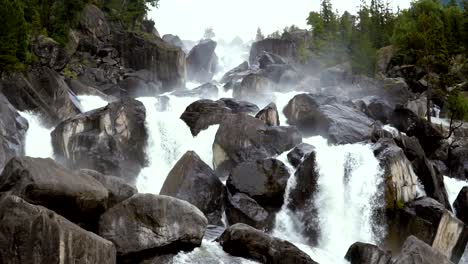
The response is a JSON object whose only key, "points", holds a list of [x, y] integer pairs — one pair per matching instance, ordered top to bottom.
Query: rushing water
{"points": [[38, 143], [453, 187]]}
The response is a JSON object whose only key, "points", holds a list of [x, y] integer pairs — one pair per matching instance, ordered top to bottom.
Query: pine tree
{"points": [[259, 35]]}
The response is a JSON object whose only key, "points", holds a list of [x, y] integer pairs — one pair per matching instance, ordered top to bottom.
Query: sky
{"points": [[228, 18]]}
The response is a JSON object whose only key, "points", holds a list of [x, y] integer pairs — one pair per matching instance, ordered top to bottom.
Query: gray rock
{"points": [[174, 40], [283, 47], [50, 53], [202, 61], [237, 73], [255, 87], [205, 91], [269, 115], [296, 155], [192, 180], [461, 205], [240, 208], [146, 225], [31, 234], [415, 251], [362, 253]]}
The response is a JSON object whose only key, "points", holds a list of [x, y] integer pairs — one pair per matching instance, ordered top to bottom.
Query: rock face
{"points": [[94, 28], [174, 40], [282, 47], [50, 53], [266, 59], [202, 61], [166, 62], [236, 74], [254, 87], [42, 90], [206, 91], [204, 113], [269, 114], [318, 115], [13, 129], [244, 138], [110, 140], [296, 155], [458, 162], [192, 180], [263, 180], [400, 180], [118, 189], [79, 198], [461, 205], [240, 208], [147, 225], [32, 234], [451, 238], [245, 241], [415, 251], [362, 253]]}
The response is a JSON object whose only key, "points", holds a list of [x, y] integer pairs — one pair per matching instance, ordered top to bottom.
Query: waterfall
{"points": [[38, 143], [453, 187]]}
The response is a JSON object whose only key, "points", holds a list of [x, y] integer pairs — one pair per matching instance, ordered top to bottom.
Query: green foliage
{"points": [[130, 13], [259, 35], [457, 105]]}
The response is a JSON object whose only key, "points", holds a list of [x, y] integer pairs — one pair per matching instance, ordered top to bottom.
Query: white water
{"points": [[91, 102], [38, 143], [453, 187], [209, 253]]}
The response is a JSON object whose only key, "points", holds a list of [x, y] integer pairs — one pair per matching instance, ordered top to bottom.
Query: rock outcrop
{"points": [[282, 47], [202, 61], [269, 115], [110, 140], [296, 155], [461, 205], [240, 208], [415, 251], [362, 253]]}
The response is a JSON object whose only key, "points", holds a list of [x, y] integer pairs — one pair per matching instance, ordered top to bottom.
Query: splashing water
{"points": [[91, 102], [38, 143], [453, 187], [209, 253]]}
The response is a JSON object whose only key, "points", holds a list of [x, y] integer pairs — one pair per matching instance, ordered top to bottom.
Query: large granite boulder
{"points": [[94, 28], [174, 40], [283, 47], [50, 53], [202, 61], [166, 62], [236, 73], [255, 87], [43, 91], [205, 91], [203, 113], [269, 115], [319, 115], [13, 129], [243, 138], [110, 140], [296, 155], [458, 162], [192, 180], [263, 180], [80, 198], [461, 205], [240, 208], [148, 225], [31, 234], [451, 238], [245, 241], [415, 251], [363, 253]]}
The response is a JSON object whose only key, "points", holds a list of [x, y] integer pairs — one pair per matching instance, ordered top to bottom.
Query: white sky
{"points": [[230, 18]]}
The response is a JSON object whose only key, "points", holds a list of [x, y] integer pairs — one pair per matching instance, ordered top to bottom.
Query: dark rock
{"points": [[93, 23], [174, 40], [283, 47], [50, 53], [266, 59], [202, 61], [167, 62], [236, 74], [284, 75], [335, 75], [135, 87], [255, 87], [80, 88], [396, 90], [43, 91], [205, 91], [379, 110], [203, 113], [269, 115], [316, 115], [408, 122], [13, 129], [243, 138], [110, 140], [296, 155], [458, 162], [192, 180], [263, 180], [118, 189], [80, 198], [461, 205], [240, 208], [428, 209], [146, 225], [32, 234], [245, 241], [415, 251], [362, 253], [163, 259]]}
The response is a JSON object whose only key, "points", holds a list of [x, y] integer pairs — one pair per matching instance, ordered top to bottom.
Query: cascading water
{"points": [[38, 143], [349, 176], [453, 187]]}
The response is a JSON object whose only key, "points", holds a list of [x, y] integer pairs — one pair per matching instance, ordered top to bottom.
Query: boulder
{"points": [[94, 28], [174, 40], [284, 48], [50, 53], [384, 56], [266, 59], [202, 61], [167, 62], [236, 73], [284, 75], [336, 75], [136, 87], [255, 87], [80, 88], [396, 90], [43, 91], [205, 91], [418, 106], [380, 110], [203, 113], [269, 115], [318, 115], [408, 122], [13, 129], [245, 138], [110, 140], [296, 156], [458, 162], [192, 180], [263, 180], [401, 182], [118, 189], [302, 194], [80, 198], [461, 205], [240, 208], [148, 225], [31, 234], [451, 238], [245, 241], [415, 251], [363, 253]]}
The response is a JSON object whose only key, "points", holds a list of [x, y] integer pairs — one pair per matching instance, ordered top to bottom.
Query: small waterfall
{"points": [[91, 102], [38, 141], [453, 187], [209, 253]]}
